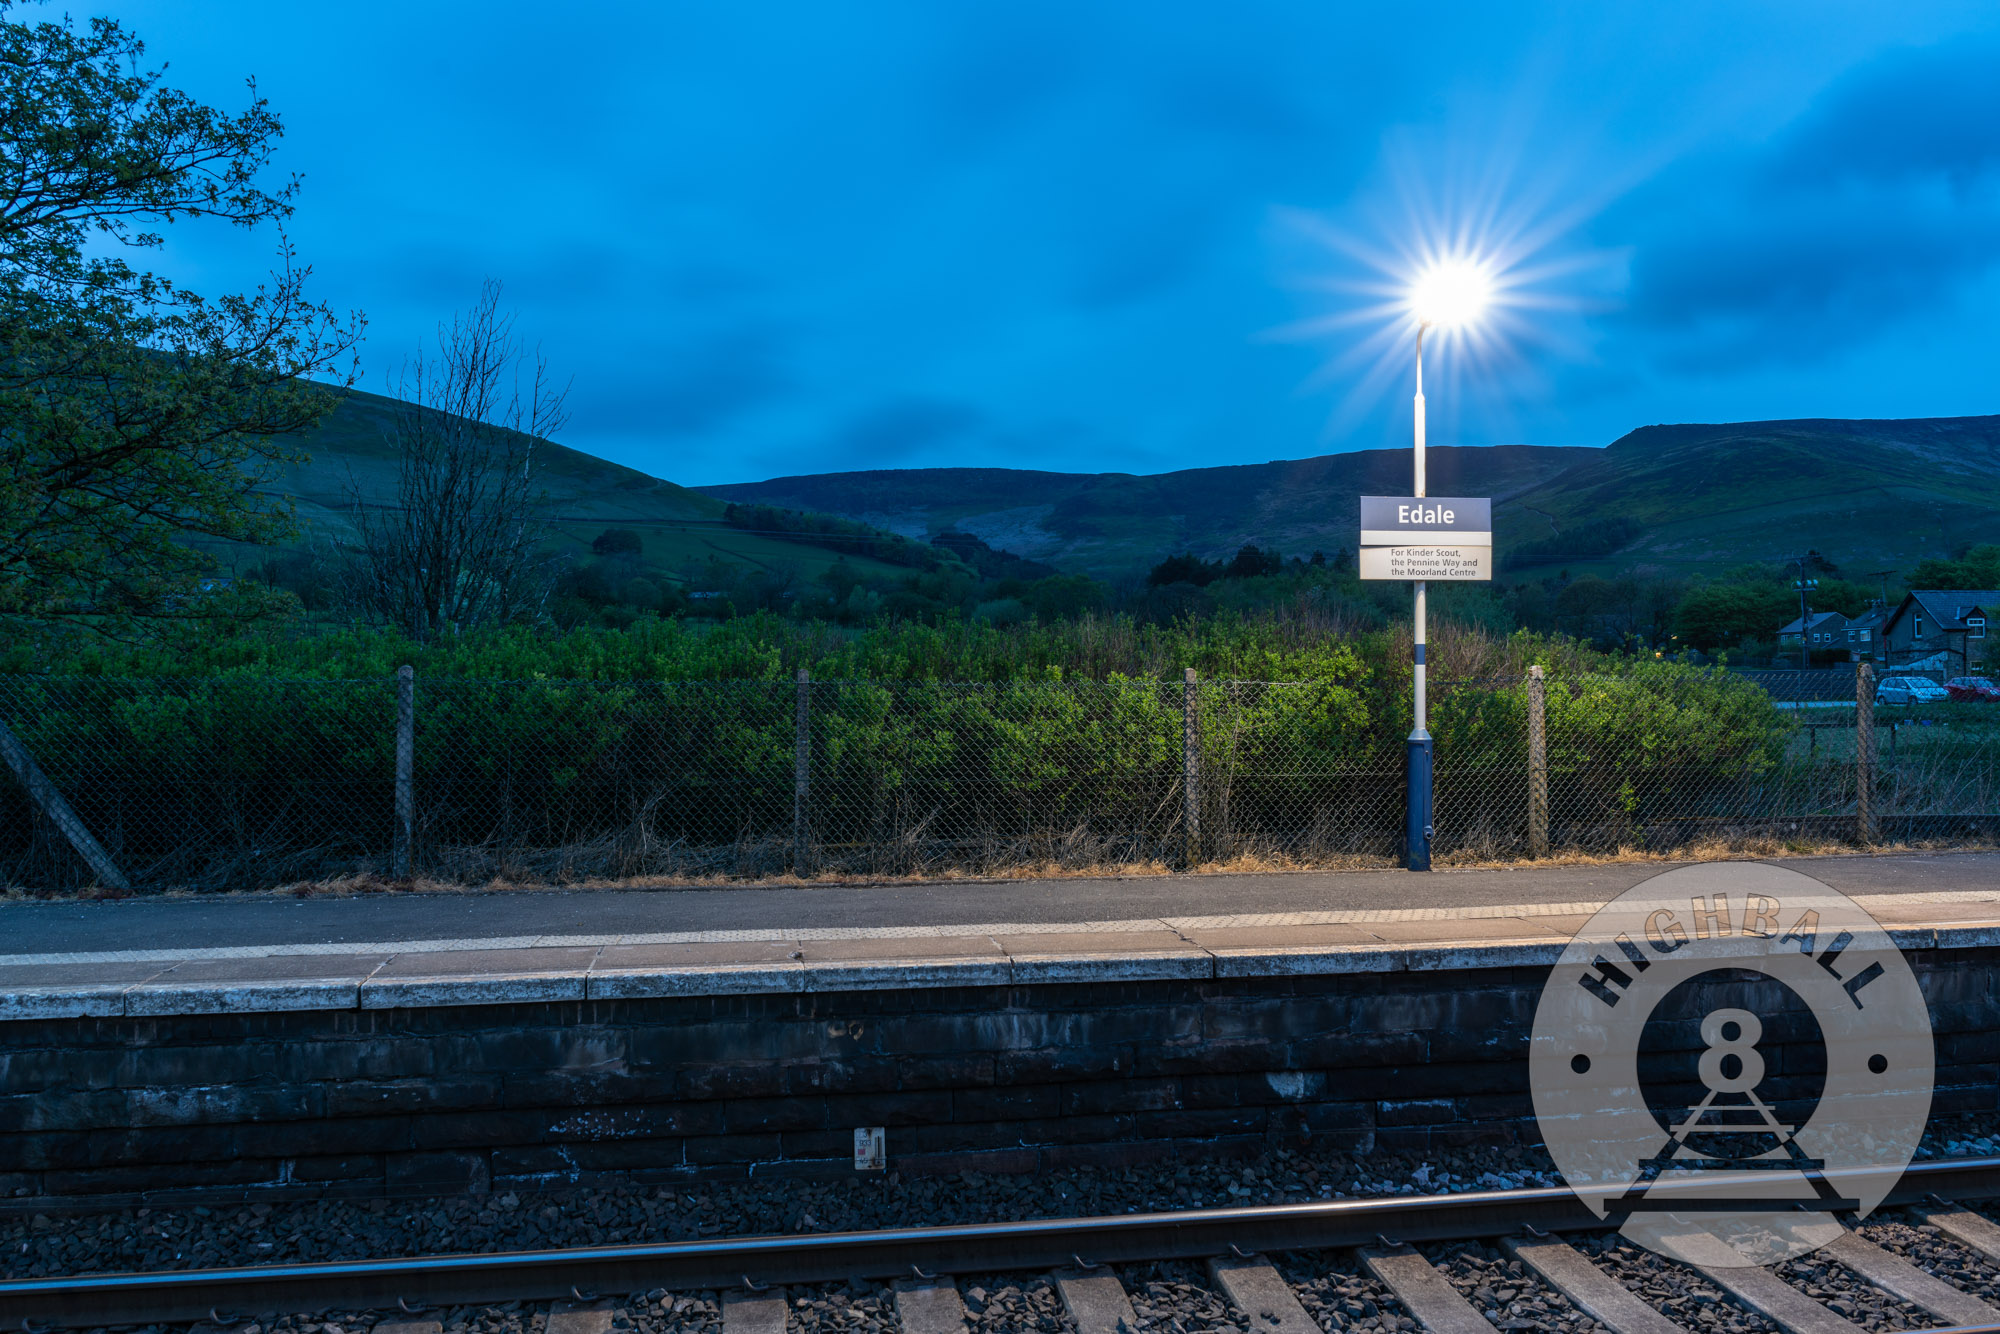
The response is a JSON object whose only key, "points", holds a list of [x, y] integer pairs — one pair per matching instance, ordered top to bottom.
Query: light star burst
{"points": [[1498, 276]]}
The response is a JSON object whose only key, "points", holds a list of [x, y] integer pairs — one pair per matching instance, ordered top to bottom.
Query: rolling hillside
{"points": [[352, 457], [1869, 494], [1671, 499], [1112, 523]]}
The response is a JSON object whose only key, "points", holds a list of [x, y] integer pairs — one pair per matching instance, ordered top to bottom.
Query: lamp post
{"points": [[1450, 294], [1417, 830]]}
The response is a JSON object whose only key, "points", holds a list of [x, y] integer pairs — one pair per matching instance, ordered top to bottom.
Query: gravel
{"points": [[1961, 1135], [163, 1237], [1930, 1250], [1675, 1290], [1506, 1291], [1850, 1295], [1177, 1297], [1341, 1298], [1012, 1304], [840, 1308], [660, 1311], [503, 1318]]}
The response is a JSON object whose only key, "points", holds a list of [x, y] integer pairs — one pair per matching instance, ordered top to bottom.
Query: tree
{"points": [[136, 415], [617, 542], [462, 546], [1250, 563], [1977, 568], [1182, 569], [1717, 615]]}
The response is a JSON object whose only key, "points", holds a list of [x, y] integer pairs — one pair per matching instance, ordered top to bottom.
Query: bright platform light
{"points": [[1451, 294]]}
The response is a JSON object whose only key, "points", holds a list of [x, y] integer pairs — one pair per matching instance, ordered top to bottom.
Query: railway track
{"points": [[1081, 1258]]}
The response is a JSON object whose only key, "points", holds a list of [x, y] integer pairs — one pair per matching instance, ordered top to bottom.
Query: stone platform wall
{"points": [[1014, 1078]]}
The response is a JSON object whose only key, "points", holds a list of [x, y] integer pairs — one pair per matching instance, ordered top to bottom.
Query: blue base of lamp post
{"points": [[1417, 836]]}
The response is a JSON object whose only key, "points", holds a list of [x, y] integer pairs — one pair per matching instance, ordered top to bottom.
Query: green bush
{"points": [[240, 761]]}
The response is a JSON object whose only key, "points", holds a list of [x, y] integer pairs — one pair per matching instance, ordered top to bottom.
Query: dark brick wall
{"points": [[1005, 1079]]}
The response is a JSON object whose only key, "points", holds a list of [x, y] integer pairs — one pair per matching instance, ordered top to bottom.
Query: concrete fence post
{"points": [[1864, 752], [406, 764], [1538, 764], [1191, 766], [802, 777], [58, 812]]}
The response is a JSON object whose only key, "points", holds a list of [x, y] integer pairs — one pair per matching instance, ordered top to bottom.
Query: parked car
{"points": [[1972, 689], [1910, 690]]}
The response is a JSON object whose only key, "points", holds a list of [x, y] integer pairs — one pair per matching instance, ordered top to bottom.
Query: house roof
{"points": [[1947, 607], [1874, 616], [1821, 620]]}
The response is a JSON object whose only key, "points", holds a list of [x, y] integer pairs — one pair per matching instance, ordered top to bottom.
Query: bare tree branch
{"points": [[464, 544]]}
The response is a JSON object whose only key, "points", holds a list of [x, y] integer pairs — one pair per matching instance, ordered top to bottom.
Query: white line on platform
{"points": [[1349, 917]]}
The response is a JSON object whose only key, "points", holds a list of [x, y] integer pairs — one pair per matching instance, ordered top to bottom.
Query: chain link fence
{"points": [[249, 781]]}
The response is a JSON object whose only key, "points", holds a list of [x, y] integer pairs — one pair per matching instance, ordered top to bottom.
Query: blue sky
{"points": [[778, 238]]}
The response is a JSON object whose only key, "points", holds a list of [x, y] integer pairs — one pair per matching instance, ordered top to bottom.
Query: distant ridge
{"points": [[1677, 498], [1110, 523]]}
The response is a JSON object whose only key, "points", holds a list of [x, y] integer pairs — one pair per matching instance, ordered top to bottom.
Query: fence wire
{"points": [[245, 781]]}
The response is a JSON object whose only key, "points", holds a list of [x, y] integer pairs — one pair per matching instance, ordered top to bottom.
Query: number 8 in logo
{"points": [[1732, 1037]]}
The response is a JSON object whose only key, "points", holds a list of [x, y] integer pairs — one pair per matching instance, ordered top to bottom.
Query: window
{"points": [[1978, 624], [1919, 631], [1864, 636]]}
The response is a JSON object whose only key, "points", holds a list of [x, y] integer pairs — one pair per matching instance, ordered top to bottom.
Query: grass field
{"points": [[1829, 734]]}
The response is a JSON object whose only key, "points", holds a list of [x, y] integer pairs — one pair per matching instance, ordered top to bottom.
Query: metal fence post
{"points": [[1864, 752], [406, 763], [1538, 764], [1191, 766], [802, 776], [49, 801]]}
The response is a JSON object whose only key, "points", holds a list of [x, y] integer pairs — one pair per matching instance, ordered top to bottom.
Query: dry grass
{"points": [[1745, 848], [366, 884]]}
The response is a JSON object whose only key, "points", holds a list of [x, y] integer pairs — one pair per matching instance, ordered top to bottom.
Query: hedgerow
{"points": [[243, 759]]}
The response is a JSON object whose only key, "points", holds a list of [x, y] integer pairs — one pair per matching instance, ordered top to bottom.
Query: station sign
{"points": [[1426, 537]]}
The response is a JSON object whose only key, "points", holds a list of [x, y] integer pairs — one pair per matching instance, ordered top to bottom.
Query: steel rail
{"points": [[85, 1300]]}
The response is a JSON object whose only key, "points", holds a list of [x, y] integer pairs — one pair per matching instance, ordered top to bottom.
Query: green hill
{"points": [[353, 457], [1867, 494], [1669, 499], [1113, 523]]}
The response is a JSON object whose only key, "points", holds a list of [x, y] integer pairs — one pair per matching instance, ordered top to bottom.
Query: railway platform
{"points": [[233, 955], [409, 1044]]}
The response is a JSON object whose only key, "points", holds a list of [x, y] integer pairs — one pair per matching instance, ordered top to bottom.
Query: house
{"points": [[1940, 629], [1825, 632], [1864, 633]]}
